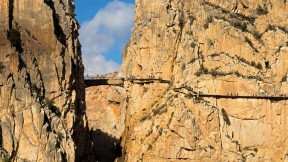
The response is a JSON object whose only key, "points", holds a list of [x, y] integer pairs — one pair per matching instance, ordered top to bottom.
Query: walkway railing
{"points": [[119, 81], [232, 96]]}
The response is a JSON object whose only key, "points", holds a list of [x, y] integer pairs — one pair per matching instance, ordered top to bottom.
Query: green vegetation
{"points": [[262, 10], [191, 18], [208, 21], [239, 24], [270, 27], [274, 27], [14, 37], [251, 44], [215, 55], [192, 61], [258, 65], [212, 72], [216, 73], [251, 77], [188, 95], [162, 109], [158, 110], [145, 118], [160, 131], [149, 133], [149, 147], [6, 159]]}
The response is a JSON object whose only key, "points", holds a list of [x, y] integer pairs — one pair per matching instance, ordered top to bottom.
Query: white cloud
{"points": [[111, 24], [99, 65]]}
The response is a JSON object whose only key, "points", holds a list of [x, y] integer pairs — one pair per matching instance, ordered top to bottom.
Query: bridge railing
{"points": [[95, 77], [131, 78]]}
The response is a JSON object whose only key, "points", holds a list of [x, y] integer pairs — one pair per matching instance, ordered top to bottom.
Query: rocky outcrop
{"points": [[236, 47], [42, 107], [106, 110]]}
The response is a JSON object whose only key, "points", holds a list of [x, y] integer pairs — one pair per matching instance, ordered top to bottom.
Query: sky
{"points": [[105, 29]]}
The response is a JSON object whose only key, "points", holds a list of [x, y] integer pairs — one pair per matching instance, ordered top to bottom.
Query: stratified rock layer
{"points": [[235, 47], [41, 82]]}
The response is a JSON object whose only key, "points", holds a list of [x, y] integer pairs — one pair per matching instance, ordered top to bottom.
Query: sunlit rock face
{"points": [[235, 47], [42, 107]]}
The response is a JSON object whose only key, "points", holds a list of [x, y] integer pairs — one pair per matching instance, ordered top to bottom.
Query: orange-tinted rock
{"points": [[222, 47], [42, 107]]}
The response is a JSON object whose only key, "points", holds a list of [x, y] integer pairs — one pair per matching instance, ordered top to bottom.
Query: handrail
{"points": [[235, 96]]}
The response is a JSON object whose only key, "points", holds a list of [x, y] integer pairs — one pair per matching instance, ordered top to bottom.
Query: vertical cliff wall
{"points": [[235, 47], [42, 107], [106, 109]]}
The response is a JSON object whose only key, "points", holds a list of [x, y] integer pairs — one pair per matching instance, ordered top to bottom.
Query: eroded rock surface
{"points": [[235, 47], [42, 107], [106, 110]]}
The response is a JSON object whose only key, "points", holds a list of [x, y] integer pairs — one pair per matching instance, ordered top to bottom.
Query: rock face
{"points": [[220, 47], [42, 107], [106, 109]]}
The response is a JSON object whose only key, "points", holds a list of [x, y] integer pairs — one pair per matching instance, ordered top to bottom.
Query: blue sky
{"points": [[105, 29]]}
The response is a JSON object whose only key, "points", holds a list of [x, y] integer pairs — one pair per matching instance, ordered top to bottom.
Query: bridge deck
{"points": [[97, 82], [120, 82]]}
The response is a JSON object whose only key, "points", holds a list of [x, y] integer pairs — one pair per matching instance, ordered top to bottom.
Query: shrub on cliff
{"points": [[262, 10], [14, 37], [259, 66], [5, 159]]}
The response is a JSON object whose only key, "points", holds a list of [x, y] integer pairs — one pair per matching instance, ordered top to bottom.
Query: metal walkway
{"points": [[117, 81], [235, 96]]}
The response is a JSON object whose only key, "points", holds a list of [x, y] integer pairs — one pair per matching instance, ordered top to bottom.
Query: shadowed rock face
{"points": [[221, 47], [42, 107], [106, 109]]}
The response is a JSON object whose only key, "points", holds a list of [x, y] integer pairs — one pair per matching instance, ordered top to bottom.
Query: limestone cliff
{"points": [[216, 47], [42, 107], [106, 109]]}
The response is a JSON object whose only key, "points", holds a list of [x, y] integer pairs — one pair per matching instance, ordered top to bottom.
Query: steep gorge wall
{"points": [[221, 47], [42, 106], [106, 109]]}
